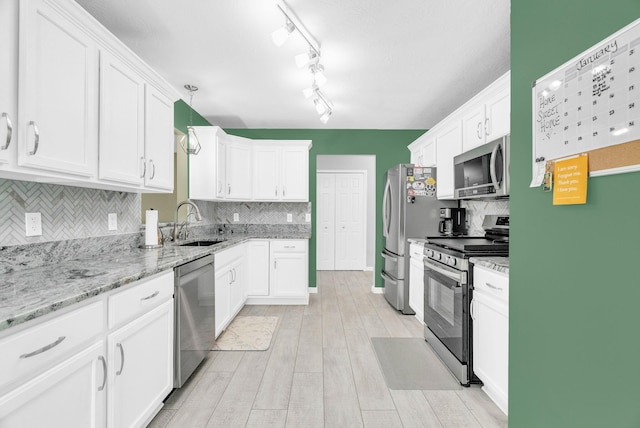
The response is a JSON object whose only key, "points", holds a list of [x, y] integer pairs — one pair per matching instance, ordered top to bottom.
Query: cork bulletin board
{"points": [[591, 104]]}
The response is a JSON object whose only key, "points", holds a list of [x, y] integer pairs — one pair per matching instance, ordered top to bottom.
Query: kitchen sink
{"points": [[201, 243]]}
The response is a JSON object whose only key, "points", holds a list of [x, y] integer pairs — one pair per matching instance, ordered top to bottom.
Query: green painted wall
{"points": [[182, 116], [389, 146], [575, 288]]}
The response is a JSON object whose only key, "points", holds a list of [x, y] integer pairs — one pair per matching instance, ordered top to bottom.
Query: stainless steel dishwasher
{"points": [[194, 316]]}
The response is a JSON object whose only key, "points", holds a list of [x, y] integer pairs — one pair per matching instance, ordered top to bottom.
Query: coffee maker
{"points": [[453, 221]]}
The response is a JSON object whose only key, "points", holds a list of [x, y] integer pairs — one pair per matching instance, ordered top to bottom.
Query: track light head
{"points": [[281, 35], [305, 58], [318, 74], [310, 91], [326, 116]]}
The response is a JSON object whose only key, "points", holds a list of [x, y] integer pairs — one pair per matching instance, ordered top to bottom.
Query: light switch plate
{"points": [[236, 217], [289, 217], [307, 217], [113, 221], [33, 224]]}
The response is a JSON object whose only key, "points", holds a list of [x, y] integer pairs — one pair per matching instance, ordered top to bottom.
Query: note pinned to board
{"points": [[570, 180]]}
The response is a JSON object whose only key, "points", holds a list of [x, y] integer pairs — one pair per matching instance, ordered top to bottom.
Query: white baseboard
{"points": [[368, 269], [313, 290], [377, 290], [266, 300]]}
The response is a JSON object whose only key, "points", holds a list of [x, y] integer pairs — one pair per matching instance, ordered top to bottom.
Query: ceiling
{"points": [[390, 64]]}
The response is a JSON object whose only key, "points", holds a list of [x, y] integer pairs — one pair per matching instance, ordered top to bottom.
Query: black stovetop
{"points": [[470, 244]]}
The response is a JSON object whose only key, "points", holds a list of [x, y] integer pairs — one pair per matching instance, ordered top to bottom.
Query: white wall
{"points": [[361, 163]]}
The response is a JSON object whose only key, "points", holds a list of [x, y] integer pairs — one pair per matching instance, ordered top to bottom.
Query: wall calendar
{"points": [[592, 104]]}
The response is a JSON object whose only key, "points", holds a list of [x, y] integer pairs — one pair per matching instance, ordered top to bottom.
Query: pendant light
{"points": [[191, 144]]}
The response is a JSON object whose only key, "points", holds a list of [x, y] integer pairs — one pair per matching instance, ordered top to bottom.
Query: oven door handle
{"points": [[460, 277]]}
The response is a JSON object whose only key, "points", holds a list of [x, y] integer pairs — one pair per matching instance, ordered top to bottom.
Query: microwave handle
{"points": [[492, 167]]}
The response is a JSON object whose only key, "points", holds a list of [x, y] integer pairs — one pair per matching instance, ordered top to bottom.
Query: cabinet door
{"points": [[8, 80], [58, 90], [498, 121], [121, 122], [473, 127], [449, 144], [158, 145], [428, 153], [203, 166], [221, 166], [238, 170], [266, 173], [295, 174], [289, 275], [257, 279], [416, 286], [237, 290], [223, 309], [491, 346], [140, 358], [72, 394]]}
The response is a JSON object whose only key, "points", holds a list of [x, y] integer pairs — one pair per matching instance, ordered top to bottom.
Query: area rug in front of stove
{"points": [[247, 333]]}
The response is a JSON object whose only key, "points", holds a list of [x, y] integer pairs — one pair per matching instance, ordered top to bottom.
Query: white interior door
{"points": [[326, 215], [341, 220], [350, 221]]}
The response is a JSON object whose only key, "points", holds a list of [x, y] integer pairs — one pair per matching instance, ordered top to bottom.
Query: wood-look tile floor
{"points": [[321, 371]]}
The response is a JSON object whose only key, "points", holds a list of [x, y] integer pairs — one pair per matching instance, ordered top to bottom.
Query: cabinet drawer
{"points": [[289, 245], [416, 251], [227, 256], [491, 282], [140, 298], [27, 353]]}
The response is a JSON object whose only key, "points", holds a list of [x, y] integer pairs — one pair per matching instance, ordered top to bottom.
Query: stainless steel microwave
{"points": [[483, 172]]}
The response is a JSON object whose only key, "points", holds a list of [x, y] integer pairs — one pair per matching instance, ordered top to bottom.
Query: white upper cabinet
{"points": [[8, 81], [58, 91], [487, 116], [121, 122], [158, 140], [449, 145], [423, 150], [236, 168], [281, 172]]}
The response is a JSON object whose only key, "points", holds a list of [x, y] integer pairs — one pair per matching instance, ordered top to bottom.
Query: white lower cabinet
{"points": [[258, 267], [289, 269], [416, 280], [230, 285], [490, 315], [108, 362], [140, 371], [71, 394]]}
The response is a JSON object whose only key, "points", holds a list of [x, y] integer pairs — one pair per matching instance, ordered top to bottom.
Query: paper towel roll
{"points": [[151, 228]]}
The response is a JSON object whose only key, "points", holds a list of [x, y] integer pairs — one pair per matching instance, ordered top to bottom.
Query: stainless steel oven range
{"points": [[448, 292]]}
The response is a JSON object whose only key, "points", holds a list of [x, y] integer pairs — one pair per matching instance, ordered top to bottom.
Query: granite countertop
{"points": [[420, 241], [500, 264], [30, 293]]}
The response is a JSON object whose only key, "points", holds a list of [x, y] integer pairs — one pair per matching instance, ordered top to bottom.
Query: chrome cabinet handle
{"points": [[486, 126], [479, 130], [9, 131], [36, 142], [144, 167], [153, 171], [219, 187], [228, 189], [276, 190], [284, 191], [275, 264], [231, 277], [493, 286], [151, 296], [472, 310], [44, 348], [104, 370], [119, 372]]}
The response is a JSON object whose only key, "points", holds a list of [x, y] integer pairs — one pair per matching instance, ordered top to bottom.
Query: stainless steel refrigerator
{"points": [[409, 210]]}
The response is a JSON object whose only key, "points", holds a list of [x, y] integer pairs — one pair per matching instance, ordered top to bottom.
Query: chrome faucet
{"points": [[175, 223]]}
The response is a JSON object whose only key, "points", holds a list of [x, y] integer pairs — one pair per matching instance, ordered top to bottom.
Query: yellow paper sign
{"points": [[570, 180]]}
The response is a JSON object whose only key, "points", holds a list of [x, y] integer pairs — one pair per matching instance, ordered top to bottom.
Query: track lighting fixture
{"points": [[281, 35], [311, 58]]}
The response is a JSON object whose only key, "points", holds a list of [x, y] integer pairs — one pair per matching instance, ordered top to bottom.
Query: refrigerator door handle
{"points": [[385, 208], [388, 255], [388, 277]]}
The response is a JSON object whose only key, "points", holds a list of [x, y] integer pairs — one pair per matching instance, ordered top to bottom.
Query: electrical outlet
{"points": [[236, 217], [289, 217], [307, 217], [113, 221], [33, 224]]}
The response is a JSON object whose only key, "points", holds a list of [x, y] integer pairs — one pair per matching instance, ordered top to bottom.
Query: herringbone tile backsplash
{"points": [[477, 209], [67, 212], [254, 212]]}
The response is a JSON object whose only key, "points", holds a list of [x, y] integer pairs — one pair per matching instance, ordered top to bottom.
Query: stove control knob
{"points": [[429, 253], [451, 261]]}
